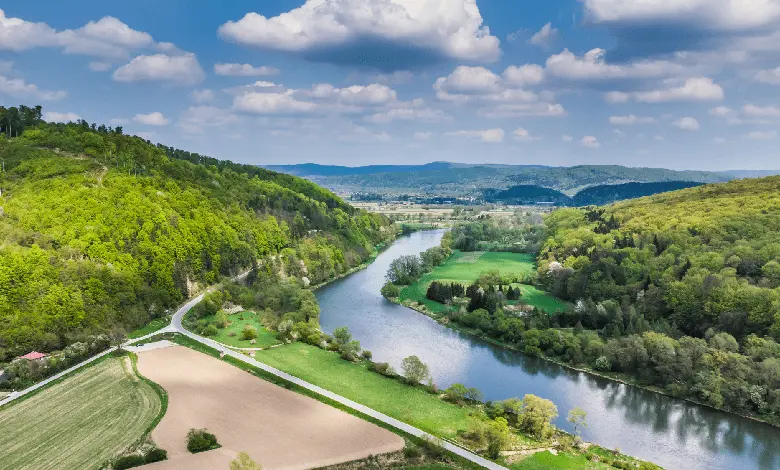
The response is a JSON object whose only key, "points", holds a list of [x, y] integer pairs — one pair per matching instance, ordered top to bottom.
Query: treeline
{"points": [[14, 120], [595, 195], [101, 229], [522, 233], [680, 287]]}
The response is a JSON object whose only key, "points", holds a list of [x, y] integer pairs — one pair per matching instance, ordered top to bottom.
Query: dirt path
{"points": [[280, 429]]}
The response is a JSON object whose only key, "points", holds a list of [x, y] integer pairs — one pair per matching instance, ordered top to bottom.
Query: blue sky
{"points": [[684, 84]]}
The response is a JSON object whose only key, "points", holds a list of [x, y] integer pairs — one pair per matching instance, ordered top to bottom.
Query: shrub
{"points": [[390, 291], [210, 330], [249, 333], [367, 355], [603, 364], [382, 368], [200, 440], [411, 451], [156, 455], [128, 461]]}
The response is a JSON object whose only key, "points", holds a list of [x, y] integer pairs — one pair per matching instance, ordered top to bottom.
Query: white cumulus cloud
{"points": [[395, 31], [545, 37], [182, 69], [244, 70], [771, 77], [19, 88], [272, 103], [752, 110], [53, 116], [152, 119], [629, 120], [687, 124], [488, 135], [590, 142]]}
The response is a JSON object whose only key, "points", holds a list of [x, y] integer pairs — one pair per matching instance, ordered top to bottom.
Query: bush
{"points": [[391, 291], [210, 330], [249, 333], [367, 355], [603, 364], [382, 368], [200, 440], [411, 451], [156, 455], [128, 461]]}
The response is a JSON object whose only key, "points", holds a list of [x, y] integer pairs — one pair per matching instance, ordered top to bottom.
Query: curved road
{"points": [[177, 327]]}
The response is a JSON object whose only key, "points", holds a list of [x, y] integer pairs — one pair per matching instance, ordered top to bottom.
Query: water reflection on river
{"points": [[670, 432]]}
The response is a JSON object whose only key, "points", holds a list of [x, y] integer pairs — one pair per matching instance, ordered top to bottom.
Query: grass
{"points": [[465, 268], [155, 325], [264, 339], [411, 405], [81, 422], [546, 460]]}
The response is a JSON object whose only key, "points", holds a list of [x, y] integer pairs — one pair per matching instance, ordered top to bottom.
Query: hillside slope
{"points": [[99, 229], [705, 257]]}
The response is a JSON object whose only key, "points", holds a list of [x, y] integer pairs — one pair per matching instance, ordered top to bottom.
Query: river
{"points": [[670, 432]]}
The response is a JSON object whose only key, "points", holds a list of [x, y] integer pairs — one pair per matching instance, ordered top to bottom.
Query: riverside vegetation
{"points": [[101, 230], [679, 292]]}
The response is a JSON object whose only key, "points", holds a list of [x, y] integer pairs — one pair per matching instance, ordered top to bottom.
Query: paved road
{"points": [[176, 326]]}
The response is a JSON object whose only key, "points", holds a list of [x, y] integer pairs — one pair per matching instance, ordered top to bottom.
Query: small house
{"points": [[34, 356]]}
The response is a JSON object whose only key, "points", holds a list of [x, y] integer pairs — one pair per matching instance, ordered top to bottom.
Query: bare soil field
{"points": [[278, 428]]}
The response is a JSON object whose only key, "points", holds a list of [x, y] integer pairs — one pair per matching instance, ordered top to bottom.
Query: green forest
{"points": [[101, 230], [683, 289]]}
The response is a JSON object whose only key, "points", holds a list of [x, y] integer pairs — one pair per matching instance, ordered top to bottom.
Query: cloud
{"points": [[657, 27], [385, 34], [545, 37], [106, 38], [99, 66], [592, 67], [183, 69], [244, 70], [525, 75], [771, 77], [465, 79], [19, 88], [693, 89], [357, 95], [202, 96], [272, 103], [751, 110], [508, 111], [720, 111], [410, 114], [53, 116], [197, 118], [151, 119], [630, 120], [687, 124], [363, 134], [489, 135], [522, 135], [761, 135], [422, 136], [567, 138], [590, 142]]}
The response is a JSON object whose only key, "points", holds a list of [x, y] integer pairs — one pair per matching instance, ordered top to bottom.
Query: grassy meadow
{"points": [[465, 268], [231, 335], [354, 381], [80, 422]]}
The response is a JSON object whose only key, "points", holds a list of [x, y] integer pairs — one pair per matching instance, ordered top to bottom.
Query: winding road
{"points": [[177, 327]]}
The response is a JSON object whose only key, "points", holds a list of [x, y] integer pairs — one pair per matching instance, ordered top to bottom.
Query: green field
{"points": [[465, 268], [155, 325], [264, 339], [354, 381], [81, 422]]}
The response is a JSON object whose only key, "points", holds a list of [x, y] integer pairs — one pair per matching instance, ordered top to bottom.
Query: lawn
{"points": [[465, 268], [155, 325], [264, 339], [354, 381], [81, 422], [546, 460]]}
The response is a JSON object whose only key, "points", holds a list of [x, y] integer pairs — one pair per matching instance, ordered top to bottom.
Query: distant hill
{"points": [[740, 174], [464, 180], [595, 195]]}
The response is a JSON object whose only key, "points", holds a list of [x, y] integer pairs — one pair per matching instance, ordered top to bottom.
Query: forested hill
{"points": [[455, 179], [592, 196], [100, 229], [700, 258]]}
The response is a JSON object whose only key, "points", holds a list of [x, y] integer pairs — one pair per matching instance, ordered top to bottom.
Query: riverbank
{"points": [[624, 379]]}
